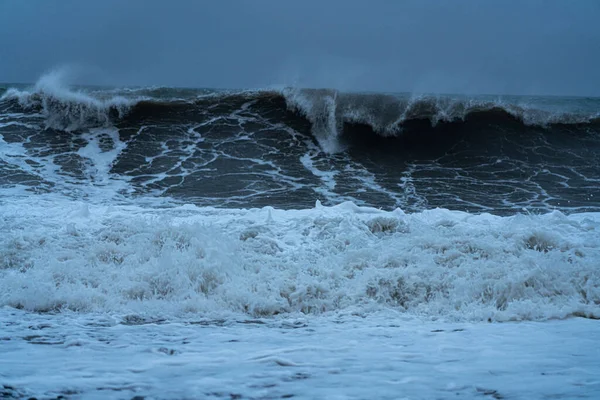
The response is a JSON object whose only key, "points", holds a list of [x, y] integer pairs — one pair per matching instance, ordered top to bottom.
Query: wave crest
{"points": [[66, 109], [330, 112], [389, 114]]}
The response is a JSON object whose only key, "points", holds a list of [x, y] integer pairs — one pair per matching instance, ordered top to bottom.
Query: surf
{"points": [[175, 261]]}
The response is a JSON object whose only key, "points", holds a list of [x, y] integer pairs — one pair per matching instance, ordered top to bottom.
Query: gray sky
{"points": [[460, 46]]}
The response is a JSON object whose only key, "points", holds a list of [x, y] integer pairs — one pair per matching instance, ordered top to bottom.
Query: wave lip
{"points": [[329, 111], [389, 114]]}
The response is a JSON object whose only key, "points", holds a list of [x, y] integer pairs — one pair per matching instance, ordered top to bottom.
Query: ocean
{"points": [[169, 243]]}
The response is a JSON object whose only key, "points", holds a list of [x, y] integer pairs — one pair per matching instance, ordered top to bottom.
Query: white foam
{"points": [[320, 108], [11, 150], [101, 160], [326, 177], [264, 262]]}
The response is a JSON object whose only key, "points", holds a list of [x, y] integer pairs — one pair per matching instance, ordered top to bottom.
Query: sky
{"points": [[460, 46]]}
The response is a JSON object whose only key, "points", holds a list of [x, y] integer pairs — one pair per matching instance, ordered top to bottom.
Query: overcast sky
{"points": [[459, 46]]}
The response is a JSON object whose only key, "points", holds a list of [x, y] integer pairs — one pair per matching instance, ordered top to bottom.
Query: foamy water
{"points": [[263, 262], [332, 302], [383, 356]]}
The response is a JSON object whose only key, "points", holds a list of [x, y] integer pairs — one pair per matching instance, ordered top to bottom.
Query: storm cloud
{"points": [[518, 47]]}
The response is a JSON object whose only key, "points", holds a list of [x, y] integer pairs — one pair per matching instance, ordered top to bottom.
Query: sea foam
{"points": [[65, 255]]}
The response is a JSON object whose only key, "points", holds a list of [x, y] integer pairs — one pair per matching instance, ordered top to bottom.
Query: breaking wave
{"points": [[63, 108], [329, 112], [332, 112]]}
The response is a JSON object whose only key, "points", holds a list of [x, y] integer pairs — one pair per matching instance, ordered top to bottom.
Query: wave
{"points": [[330, 112], [333, 113]]}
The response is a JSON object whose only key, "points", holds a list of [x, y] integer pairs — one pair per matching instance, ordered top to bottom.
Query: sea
{"points": [[172, 243]]}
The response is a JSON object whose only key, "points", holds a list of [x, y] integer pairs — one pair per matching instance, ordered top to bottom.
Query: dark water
{"points": [[289, 148]]}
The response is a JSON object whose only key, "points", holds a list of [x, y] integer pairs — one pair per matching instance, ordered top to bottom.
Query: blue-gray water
{"points": [[288, 148]]}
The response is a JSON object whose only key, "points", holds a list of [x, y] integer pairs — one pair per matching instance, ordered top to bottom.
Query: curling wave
{"points": [[330, 112]]}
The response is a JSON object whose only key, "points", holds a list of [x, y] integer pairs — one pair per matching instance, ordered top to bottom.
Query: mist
{"points": [[528, 47]]}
